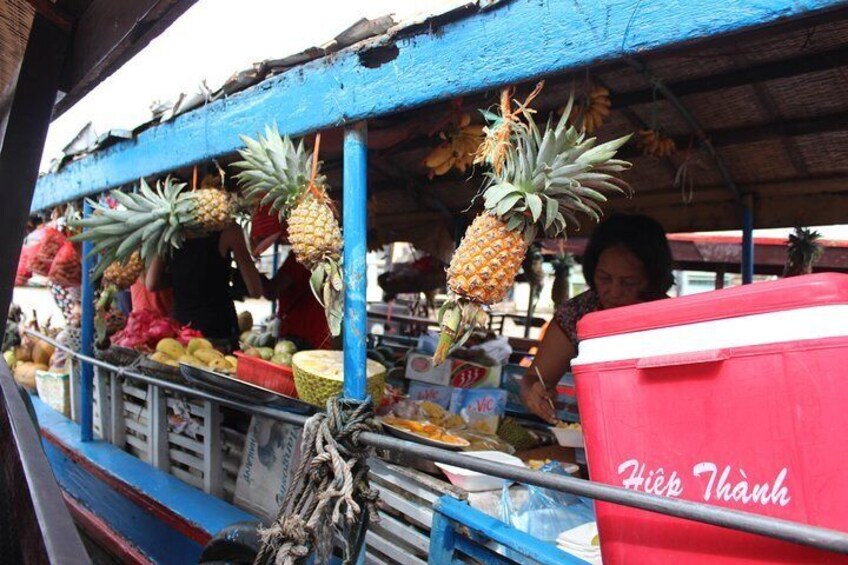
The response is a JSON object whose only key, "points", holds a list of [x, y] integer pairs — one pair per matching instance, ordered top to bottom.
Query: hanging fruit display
{"points": [[594, 110], [654, 144], [457, 149], [275, 171], [540, 181], [151, 222]]}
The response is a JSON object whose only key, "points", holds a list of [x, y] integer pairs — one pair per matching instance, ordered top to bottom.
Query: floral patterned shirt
{"points": [[570, 313]]}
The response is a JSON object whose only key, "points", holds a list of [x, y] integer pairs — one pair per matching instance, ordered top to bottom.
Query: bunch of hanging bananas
{"points": [[594, 110], [655, 144], [456, 151]]}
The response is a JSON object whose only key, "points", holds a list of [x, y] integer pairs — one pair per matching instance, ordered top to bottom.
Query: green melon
{"points": [[319, 375]]}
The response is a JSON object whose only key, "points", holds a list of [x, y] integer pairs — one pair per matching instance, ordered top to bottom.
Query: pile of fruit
{"points": [[146, 329], [198, 352], [29, 354], [280, 354], [319, 375]]}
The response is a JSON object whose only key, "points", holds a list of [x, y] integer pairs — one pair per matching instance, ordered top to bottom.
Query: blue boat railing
{"points": [[35, 524], [804, 534]]}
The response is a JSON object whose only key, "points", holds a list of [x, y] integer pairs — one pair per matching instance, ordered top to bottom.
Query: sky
{"points": [[215, 39]]}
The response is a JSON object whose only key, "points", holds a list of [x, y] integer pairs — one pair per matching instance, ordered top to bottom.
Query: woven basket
{"points": [[73, 338]]}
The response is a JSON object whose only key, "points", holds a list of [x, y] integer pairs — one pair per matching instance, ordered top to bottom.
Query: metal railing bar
{"points": [[803, 534]]}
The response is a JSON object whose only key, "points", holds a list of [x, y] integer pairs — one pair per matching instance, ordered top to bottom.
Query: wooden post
{"points": [[22, 140], [719, 279], [104, 412], [118, 423], [157, 428], [213, 471], [442, 540]]}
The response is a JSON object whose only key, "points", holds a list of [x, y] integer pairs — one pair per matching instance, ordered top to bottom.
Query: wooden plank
{"points": [[108, 34], [471, 55], [22, 133], [135, 391], [194, 407], [104, 411], [116, 413], [157, 425], [140, 428], [185, 442], [140, 446], [186, 459], [213, 471], [384, 473], [187, 477], [414, 512], [409, 534], [442, 540], [399, 554]]}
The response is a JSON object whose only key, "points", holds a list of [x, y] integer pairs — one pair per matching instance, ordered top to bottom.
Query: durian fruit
{"points": [[319, 376], [517, 435]]}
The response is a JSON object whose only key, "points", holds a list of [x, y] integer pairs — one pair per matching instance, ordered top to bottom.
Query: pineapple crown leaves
{"points": [[275, 171], [551, 176], [803, 246]]}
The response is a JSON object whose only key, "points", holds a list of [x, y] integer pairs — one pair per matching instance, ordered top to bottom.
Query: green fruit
{"points": [[245, 337], [266, 340], [196, 343], [285, 346], [170, 347], [253, 352], [266, 353], [9, 356], [284, 359], [319, 375]]}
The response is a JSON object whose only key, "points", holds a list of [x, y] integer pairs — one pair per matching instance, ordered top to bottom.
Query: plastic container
{"points": [[266, 374], [735, 398], [567, 437], [472, 481]]}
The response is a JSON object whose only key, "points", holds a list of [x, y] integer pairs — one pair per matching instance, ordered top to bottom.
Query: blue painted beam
{"points": [[513, 42], [355, 201], [164, 517], [524, 547]]}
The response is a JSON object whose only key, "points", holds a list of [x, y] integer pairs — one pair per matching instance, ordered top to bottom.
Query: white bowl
{"points": [[568, 438], [472, 481]]}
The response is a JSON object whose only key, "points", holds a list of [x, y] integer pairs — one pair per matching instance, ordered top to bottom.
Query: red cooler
{"points": [[737, 398]]}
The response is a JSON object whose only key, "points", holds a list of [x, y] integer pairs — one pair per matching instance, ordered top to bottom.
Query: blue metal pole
{"points": [[747, 245], [355, 250], [275, 266], [87, 377]]}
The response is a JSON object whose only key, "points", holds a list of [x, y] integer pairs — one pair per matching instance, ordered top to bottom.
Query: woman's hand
{"points": [[538, 399]]}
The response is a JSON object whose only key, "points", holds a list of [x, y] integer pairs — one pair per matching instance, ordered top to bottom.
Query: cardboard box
{"points": [[454, 372]]}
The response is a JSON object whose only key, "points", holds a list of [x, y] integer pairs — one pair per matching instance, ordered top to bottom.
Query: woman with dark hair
{"points": [[627, 261]]}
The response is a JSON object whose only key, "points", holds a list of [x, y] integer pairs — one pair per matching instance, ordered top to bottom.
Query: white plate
{"points": [[412, 436], [568, 438], [473, 481]]}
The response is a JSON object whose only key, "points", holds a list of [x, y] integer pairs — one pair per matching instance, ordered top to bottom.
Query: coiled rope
{"points": [[329, 496]]}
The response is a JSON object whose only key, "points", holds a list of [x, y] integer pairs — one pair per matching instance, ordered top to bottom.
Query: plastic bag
{"points": [[49, 245], [66, 269], [24, 272], [498, 349], [546, 513]]}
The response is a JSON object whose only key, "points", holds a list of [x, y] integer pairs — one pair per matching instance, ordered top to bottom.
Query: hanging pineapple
{"points": [[275, 171], [540, 181], [151, 222], [803, 250], [124, 274]]}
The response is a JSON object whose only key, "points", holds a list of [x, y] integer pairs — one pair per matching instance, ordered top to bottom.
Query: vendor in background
{"points": [[627, 261], [200, 275], [301, 316]]}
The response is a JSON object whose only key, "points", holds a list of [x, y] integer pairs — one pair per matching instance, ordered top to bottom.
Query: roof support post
{"points": [[22, 134], [355, 201], [747, 240], [87, 339]]}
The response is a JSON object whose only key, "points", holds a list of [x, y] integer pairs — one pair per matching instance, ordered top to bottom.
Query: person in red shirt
{"points": [[301, 316]]}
